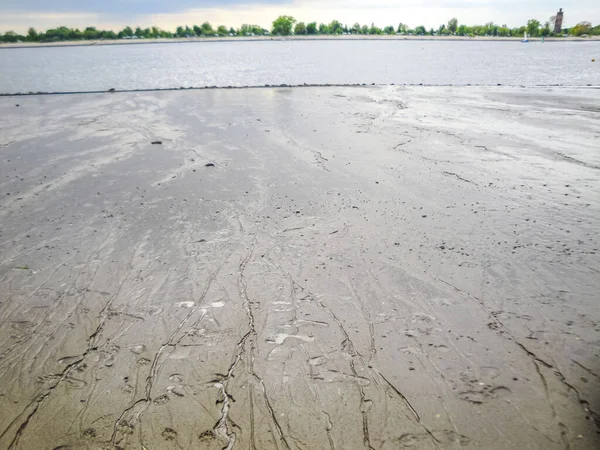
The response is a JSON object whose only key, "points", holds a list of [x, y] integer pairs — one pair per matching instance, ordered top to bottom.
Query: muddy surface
{"points": [[325, 268]]}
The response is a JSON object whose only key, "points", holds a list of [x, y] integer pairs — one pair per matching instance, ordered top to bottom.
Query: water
{"points": [[297, 62]]}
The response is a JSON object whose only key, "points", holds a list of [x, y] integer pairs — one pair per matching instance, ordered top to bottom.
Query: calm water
{"points": [[297, 62]]}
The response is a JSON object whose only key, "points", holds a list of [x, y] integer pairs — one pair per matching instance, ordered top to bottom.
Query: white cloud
{"points": [[385, 12], [20, 22]]}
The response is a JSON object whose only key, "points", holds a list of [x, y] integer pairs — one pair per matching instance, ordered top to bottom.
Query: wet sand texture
{"points": [[325, 268]]}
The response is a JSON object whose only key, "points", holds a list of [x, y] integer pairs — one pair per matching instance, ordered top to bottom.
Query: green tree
{"points": [[283, 25], [453, 25], [335, 27], [533, 27], [300, 28], [311, 28], [402, 28], [581, 28], [207, 29], [251, 29], [323, 29], [355, 29], [365, 29], [487, 29], [197, 30], [222, 30], [231, 30], [375, 30], [420, 30], [180, 31], [503, 31], [545, 31], [127, 32], [90, 33], [53, 34], [60, 34], [108, 34], [32, 35], [10, 36]]}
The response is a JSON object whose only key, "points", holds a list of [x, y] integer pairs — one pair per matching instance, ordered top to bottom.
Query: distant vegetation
{"points": [[287, 26]]}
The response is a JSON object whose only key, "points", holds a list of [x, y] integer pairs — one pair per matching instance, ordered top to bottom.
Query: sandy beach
{"points": [[295, 38], [313, 268]]}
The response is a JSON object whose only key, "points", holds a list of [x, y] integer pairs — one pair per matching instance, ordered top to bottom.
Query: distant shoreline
{"points": [[291, 38]]}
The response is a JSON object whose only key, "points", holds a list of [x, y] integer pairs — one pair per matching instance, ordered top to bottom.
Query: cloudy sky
{"points": [[18, 15]]}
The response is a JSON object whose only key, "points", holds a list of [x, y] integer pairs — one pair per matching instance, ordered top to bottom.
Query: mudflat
{"points": [[307, 268]]}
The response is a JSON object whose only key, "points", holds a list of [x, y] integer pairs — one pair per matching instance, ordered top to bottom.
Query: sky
{"points": [[18, 15]]}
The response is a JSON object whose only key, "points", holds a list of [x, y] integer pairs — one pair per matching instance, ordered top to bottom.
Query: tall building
{"points": [[558, 22]]}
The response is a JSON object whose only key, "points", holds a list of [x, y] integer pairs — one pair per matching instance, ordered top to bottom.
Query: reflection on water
{"points": [[297, 62]]}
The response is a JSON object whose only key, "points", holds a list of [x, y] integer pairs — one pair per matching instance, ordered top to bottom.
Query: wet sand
{"points": [[318, 268]]}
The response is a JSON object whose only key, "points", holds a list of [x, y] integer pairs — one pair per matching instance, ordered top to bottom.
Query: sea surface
{"points": [[91, 68]]}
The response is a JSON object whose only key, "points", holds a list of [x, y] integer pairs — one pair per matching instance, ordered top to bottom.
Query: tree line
{"points": [[288, 25], [92, 33]]}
